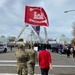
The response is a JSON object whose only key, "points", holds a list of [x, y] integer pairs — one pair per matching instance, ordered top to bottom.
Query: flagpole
{"points": [[20, 33], [46, 37]]}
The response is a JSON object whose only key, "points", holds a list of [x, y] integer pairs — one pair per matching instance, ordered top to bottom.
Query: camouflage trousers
{"points": [[31, 68], [22, 69]]}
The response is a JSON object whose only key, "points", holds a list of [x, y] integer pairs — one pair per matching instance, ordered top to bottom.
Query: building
{"points": [[32, 38], [3, 39], [63, 40]]}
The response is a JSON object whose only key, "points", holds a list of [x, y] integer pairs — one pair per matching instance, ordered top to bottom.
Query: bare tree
{"points": [[73, 32]]}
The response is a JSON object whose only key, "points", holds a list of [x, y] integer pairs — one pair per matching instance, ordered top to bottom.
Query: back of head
{"points": [[44, 46], [32, 47]]}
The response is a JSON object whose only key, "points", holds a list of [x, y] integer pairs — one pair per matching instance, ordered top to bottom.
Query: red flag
{"points": [[35, 16], [37, 29]]}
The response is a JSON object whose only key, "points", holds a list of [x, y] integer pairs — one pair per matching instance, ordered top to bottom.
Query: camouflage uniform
{"points": [[22, 58], [32, 60]]}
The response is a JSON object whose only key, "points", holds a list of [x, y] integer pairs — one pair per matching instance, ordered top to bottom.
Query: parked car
{"points": [[54, 47], [3, 48]]}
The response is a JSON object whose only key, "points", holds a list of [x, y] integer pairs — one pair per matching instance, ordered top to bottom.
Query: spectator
{"points": [[48, 46], [11, 47], [60, 48], [68, 51], [74, 51]]}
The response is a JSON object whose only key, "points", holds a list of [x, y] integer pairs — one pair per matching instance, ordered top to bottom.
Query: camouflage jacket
{"points": [[21, 56], [32, 56]]}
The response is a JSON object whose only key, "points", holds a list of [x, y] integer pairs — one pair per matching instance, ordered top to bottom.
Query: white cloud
{"points": [[2, 2], [58, 2], [12, 16]]}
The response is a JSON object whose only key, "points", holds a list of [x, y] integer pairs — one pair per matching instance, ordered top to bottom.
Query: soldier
{"points": [[22, 58], [32, 60]]}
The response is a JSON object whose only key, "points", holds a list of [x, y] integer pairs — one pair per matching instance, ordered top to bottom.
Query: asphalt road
{"points": [[61, 64]]}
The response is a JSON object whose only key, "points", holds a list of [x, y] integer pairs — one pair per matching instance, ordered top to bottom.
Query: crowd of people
{"points": [[70, 50], [26, 60]]}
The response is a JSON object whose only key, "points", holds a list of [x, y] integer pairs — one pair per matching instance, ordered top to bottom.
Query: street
{"points": [[61, 64]]}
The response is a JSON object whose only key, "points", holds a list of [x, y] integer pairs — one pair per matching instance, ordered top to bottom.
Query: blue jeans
{"points": [[60, 51]]}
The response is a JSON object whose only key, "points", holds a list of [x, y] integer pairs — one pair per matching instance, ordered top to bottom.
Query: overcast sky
{"points": [[12, 17]]}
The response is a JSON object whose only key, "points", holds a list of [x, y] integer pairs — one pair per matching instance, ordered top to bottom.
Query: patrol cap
{"points": [[20, 46]]}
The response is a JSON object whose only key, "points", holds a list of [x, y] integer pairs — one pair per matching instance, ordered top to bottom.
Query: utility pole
{"points": [[68, 11]]}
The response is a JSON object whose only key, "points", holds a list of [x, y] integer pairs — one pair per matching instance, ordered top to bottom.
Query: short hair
{"points": [[43, 46]]}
